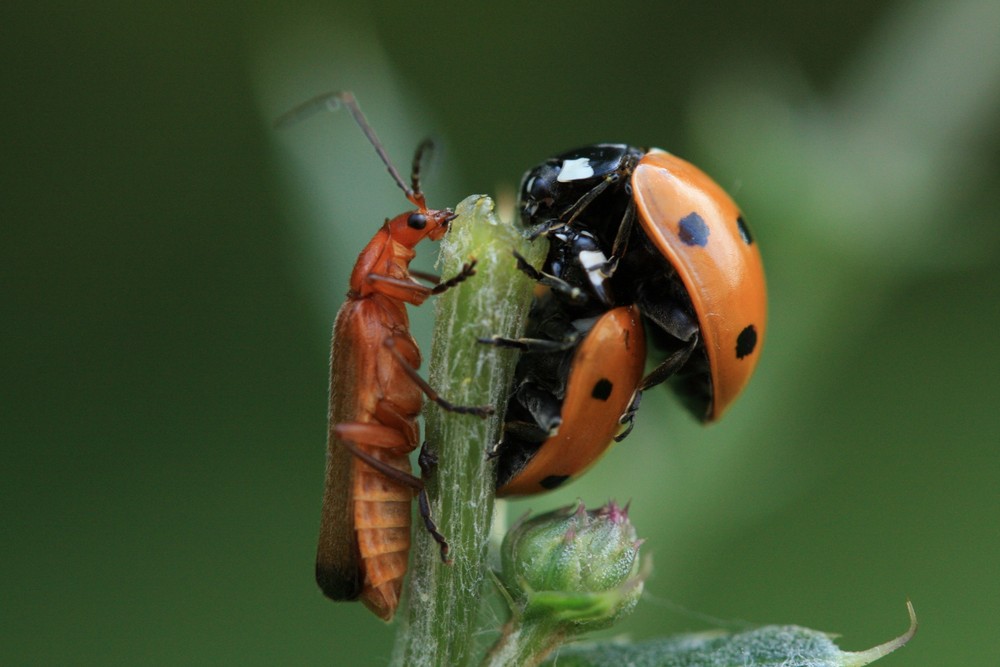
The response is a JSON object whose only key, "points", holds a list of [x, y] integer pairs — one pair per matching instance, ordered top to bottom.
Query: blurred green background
{"points": [[171, 268]]}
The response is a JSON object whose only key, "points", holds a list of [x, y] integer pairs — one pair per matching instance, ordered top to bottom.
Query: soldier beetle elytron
{"points": [[375, 397]]}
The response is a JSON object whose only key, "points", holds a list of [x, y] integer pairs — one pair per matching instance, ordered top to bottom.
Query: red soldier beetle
{"points": [[376, 396]]}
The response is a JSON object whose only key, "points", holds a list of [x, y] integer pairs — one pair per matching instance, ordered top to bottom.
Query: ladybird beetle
{"points": [[690, 264], [690, 267], [574, 384], [375, 397]]}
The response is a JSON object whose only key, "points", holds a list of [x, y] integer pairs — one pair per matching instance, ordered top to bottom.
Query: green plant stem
{"points": [[443, 599], [525, 644]]}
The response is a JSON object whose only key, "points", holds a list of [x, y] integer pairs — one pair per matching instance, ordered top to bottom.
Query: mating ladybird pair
{"points": [[640, 241]]}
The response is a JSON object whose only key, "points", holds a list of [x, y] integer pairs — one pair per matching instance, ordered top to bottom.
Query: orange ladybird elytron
{"points": [[568, 403]]}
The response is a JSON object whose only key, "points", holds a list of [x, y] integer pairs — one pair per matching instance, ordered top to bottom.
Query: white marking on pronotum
{"points": [[575, 170], [592, 262]]}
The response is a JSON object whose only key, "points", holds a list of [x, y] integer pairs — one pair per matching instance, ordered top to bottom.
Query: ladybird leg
{"points": [[579, 206], [572, 211], [542, 229], [620, 245], [527, 269], [574, 294], [670, 317], [531, 344], [669, 366], [545, 408], [479, 411], [628, 418], [528, 432], [494, 451]]}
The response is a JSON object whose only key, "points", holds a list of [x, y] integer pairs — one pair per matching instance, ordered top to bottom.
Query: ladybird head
{"points": [[567, 188]]}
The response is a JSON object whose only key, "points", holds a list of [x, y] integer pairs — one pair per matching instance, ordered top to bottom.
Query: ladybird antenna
{"points": [[333, 101], [421, 157]]}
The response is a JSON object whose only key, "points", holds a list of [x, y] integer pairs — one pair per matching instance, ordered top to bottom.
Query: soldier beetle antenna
{"points": [[333, 101], [424, 150]]}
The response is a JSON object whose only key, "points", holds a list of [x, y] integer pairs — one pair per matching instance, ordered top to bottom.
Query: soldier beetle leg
{"points": [[408, 480]]}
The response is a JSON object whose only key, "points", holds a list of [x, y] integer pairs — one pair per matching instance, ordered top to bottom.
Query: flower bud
{"points": [[573, 567]]}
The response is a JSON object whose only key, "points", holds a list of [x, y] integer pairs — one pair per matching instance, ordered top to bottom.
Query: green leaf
{"points": [[771, 646]]}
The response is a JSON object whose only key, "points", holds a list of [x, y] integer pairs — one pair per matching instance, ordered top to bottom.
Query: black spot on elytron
{"points": [[693, 230], [744, 230], [746, 341], [602, 389], [553, 481]]}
